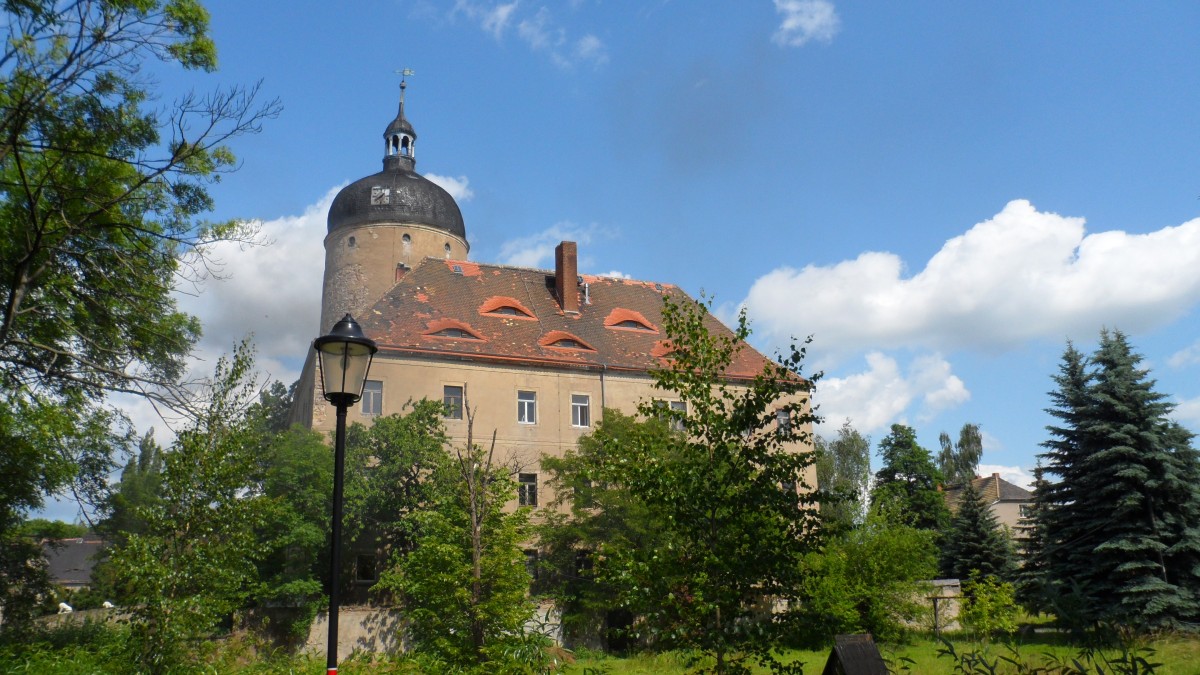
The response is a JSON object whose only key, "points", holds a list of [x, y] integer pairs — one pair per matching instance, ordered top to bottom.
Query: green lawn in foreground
{"points": [[1179, 656]]}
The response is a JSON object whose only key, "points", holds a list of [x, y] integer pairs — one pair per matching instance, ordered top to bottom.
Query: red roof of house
{"points": [[461, 309]]}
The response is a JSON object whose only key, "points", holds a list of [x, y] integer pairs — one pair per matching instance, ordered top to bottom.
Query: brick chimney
{"points": [[566, 277]]}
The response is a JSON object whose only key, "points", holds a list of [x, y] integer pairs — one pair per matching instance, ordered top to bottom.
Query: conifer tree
{"points": [[1144, 506], [1117, 529], [1065, 540], [975, 543]]}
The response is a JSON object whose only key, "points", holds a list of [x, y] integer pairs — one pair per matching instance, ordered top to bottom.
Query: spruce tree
{"points": [[1143, 505], [1060, 518], [1117, 529], [975, 543]]}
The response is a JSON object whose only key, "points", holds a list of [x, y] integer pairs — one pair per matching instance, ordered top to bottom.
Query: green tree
{"points": [[101, 198], [274, 406], [45, 449], [959, 462], [387, 465], [844, 475], [295, 481], [908, 482], [730, 485], [139, 489], [592, 512], [41, 528], [1118, 528], [1063, 541], [975, 544], [195, 563], [869, 579], [465, 585]]}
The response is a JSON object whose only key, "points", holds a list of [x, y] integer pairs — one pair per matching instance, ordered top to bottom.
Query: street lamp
{"points": [[344, 357]]}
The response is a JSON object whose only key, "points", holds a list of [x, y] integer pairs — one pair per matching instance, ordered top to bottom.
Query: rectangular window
{"points": [[372, 397], [452, 400], [527, 407], [581, 410], [677, 420], [783, 422], [527, 489], [531, 563], [364, 568]]}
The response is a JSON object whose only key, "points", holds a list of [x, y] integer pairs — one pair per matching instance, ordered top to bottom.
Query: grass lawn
{"points": [[1179, 656]]}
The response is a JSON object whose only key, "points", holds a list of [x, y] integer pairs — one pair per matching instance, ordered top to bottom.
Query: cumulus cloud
{"points": [[804, 21], [459, 188], [1023, 274], [271, 291], [875, 398], [1013, 474]]}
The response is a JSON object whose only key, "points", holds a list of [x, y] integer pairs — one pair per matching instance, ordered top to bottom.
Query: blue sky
{"points": [[940, 193]]}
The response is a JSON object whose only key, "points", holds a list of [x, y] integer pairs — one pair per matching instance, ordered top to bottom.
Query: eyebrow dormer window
{"points": [[504, 306], [627, 319], [632, 325], [452, 330], [561, 339]]}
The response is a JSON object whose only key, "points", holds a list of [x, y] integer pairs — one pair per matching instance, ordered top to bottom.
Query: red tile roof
{"points": [[435, 295]]}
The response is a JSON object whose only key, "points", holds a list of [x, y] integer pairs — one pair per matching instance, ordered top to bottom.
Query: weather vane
{"points": [[404, 73]]}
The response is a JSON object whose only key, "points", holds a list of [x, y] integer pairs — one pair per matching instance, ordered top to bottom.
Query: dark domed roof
{"points": [[396, 195]]}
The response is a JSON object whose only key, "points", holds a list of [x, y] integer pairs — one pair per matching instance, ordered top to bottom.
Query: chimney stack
{"points": [[566, 277]]}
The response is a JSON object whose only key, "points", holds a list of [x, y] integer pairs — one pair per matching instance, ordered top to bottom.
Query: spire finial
{"points": [[404, 73]]}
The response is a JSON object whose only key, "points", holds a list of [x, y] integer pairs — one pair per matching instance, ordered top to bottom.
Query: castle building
{"points": [[537, 355]]}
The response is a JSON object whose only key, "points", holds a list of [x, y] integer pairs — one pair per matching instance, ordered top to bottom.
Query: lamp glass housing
{"points": [[344, 357]]}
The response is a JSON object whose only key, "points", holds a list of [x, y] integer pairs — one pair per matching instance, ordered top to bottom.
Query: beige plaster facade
{"points": [[491, 391]]}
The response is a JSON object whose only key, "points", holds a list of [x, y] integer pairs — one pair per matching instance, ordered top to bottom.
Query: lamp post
{"points": [[344, 357]]}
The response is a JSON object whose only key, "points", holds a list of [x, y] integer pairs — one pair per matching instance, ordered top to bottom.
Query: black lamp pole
{"points": [[344, 357]]}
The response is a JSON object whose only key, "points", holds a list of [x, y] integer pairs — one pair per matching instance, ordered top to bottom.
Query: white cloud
{"points": [[493, 19], [805, 20], [539, 30], [538, 33], [590, 48], [459, 188], [537, 250], [617, 274], [1021, 275], [272, 291], [1188, 356], [941, 389], [878, 397], [1187, 412], [1013, 474]]}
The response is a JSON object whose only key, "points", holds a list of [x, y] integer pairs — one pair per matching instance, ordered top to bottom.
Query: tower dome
{"points": [[398, 195], [381, 226]]}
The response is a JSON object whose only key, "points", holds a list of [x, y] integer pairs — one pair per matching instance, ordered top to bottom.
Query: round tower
{"points": [[383, 225]]}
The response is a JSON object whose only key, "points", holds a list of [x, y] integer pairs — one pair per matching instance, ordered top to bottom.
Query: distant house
{"points": [[1010, 503], [70, 561]]}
